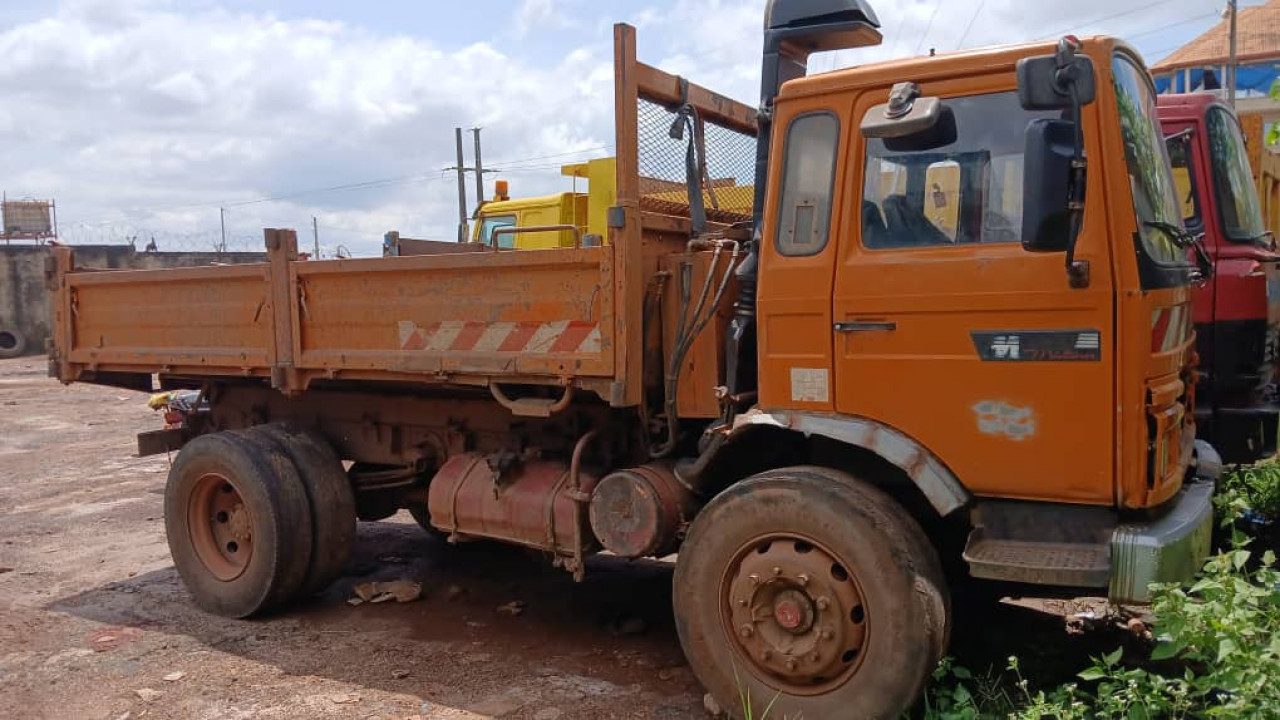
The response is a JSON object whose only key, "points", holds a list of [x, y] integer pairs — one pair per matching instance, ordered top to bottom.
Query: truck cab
{"points": [[560, 220], [1236, 312], [981, 345]]}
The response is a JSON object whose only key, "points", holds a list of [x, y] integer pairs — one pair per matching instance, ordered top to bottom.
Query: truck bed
{"points": [[533, 316], [562, 317]]}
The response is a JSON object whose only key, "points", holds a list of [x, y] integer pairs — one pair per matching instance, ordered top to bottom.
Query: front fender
{"points": [[939, 485]]}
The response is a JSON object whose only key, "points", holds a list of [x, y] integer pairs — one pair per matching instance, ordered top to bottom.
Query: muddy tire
{"points": [[12, 342], [329, 496], [423, 518], [238, 524], [811, 590]]}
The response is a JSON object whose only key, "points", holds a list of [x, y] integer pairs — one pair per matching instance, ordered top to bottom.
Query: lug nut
{"points": [[777, 571], [802, 579], [823, 603], [747, 631], [826, 635], [814, 656], [791, 664]]}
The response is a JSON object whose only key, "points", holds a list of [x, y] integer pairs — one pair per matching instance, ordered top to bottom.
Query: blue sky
{"points": [[144, 117]]}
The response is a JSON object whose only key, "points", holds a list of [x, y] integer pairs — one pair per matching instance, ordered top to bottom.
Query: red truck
{"points": [[1237, 310]]}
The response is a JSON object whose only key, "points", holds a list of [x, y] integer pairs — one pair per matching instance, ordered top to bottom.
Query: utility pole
{"points": [[1231, 67], [479, 169], [462, 170], [462, 189], [222, 220], [315, 236]]}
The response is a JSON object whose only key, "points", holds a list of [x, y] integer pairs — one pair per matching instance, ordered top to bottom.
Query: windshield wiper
{"points": [[1176, 233], [1183, 239]]}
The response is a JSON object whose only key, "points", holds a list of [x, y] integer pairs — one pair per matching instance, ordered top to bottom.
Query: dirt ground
{"points": [[94, 622]]}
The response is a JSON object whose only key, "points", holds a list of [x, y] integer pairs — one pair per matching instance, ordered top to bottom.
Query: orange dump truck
{"points": [[835, 409]]}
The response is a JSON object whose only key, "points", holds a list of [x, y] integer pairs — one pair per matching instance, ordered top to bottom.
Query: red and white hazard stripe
{"points": [[1170, 327], [530, 338]]}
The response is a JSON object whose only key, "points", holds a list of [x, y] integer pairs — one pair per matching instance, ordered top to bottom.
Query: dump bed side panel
{"points": [[535, 312], [524, 317], [214, 319]]}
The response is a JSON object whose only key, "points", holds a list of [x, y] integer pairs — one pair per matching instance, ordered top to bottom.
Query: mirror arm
{"points": [[1077, 270]]}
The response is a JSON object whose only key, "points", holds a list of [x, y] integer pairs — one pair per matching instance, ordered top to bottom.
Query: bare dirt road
{"points": [[93, 618], [94, 622]]}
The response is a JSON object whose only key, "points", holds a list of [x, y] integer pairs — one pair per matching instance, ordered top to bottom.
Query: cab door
{"points": [[798, 254], [947, 330]]}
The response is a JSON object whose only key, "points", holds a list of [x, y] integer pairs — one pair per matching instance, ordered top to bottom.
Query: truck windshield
{"points": [[1232, 180], [1155, 201]]}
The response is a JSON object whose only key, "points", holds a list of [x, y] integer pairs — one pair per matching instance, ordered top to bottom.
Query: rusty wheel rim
{"points": [[220, 526], [795, 614]]}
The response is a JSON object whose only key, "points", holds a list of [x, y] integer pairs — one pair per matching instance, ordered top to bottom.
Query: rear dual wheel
{"points": [[329, 496], [256, 519], [810, 591]]}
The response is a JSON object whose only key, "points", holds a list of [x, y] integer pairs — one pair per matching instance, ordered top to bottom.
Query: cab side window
{"points": [[1184, 179], [966, 191], [804, 207], [493, 222]]}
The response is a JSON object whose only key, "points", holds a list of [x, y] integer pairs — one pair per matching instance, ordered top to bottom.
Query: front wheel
{"points": [[812, 592]]}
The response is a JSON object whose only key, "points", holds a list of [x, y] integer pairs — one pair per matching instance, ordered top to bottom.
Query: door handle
{"points": [[851, 326]]}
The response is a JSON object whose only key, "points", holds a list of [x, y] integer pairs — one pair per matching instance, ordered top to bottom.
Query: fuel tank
{"points": [[528, 502]]}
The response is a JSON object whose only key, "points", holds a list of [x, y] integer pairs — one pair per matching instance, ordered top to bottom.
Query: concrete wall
{"points": [[24, 303]]}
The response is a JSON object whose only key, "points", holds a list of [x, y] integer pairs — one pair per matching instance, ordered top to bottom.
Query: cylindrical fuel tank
{"points": [[528, 504], [641, 511]]}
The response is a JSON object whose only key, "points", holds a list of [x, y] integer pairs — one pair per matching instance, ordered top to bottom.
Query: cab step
{"points": [[1041, 544], [1039, 563]]}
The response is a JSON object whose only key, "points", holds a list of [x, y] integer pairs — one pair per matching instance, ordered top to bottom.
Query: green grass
{"points": [[1215, 651]]}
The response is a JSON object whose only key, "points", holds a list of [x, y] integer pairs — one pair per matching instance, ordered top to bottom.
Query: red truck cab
{"points": [[1237, 310]]}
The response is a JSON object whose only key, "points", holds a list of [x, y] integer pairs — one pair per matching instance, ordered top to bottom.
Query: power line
{"points": [[937, 4], [1095, 21], [1188, 21], [969, 27], [1162, 28], [516, 163], [366, 185]]}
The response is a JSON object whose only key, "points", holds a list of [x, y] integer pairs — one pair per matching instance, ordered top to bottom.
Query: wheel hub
{"points": [[221, 526], [793, 611], [796, 612]]}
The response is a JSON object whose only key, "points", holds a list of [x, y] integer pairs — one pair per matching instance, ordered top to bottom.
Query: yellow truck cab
{"points": [[569, 218]]}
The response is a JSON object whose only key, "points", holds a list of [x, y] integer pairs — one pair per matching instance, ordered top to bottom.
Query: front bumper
{"points": [[1171, 548]]}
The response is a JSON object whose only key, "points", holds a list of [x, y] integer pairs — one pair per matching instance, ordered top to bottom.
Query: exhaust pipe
{"points": [[793, 30]]}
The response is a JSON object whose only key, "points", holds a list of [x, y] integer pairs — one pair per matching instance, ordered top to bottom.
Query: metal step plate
{"points": [[1039, 563]]}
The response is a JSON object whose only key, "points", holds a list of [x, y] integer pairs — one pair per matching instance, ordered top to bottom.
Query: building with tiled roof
{"points": [[1202, 63]]}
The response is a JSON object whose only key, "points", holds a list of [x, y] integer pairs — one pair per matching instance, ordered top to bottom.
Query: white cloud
{"points": [[537, 15], [120, 111], [148, 115]]}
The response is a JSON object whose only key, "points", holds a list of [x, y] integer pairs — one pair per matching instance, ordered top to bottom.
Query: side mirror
{"points": [[1047, 82], [1046, 185]]}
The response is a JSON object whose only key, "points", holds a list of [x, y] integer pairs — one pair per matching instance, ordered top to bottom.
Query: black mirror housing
{"points": [[1044, 84], [943, 132], [1046, 185]]}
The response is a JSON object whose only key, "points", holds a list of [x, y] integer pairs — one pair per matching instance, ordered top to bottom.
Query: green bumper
{"points": [[1172, 548]]}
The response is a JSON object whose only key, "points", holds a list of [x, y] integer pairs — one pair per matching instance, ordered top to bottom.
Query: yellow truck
{"points": [[563, 219], [567, 219]]}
